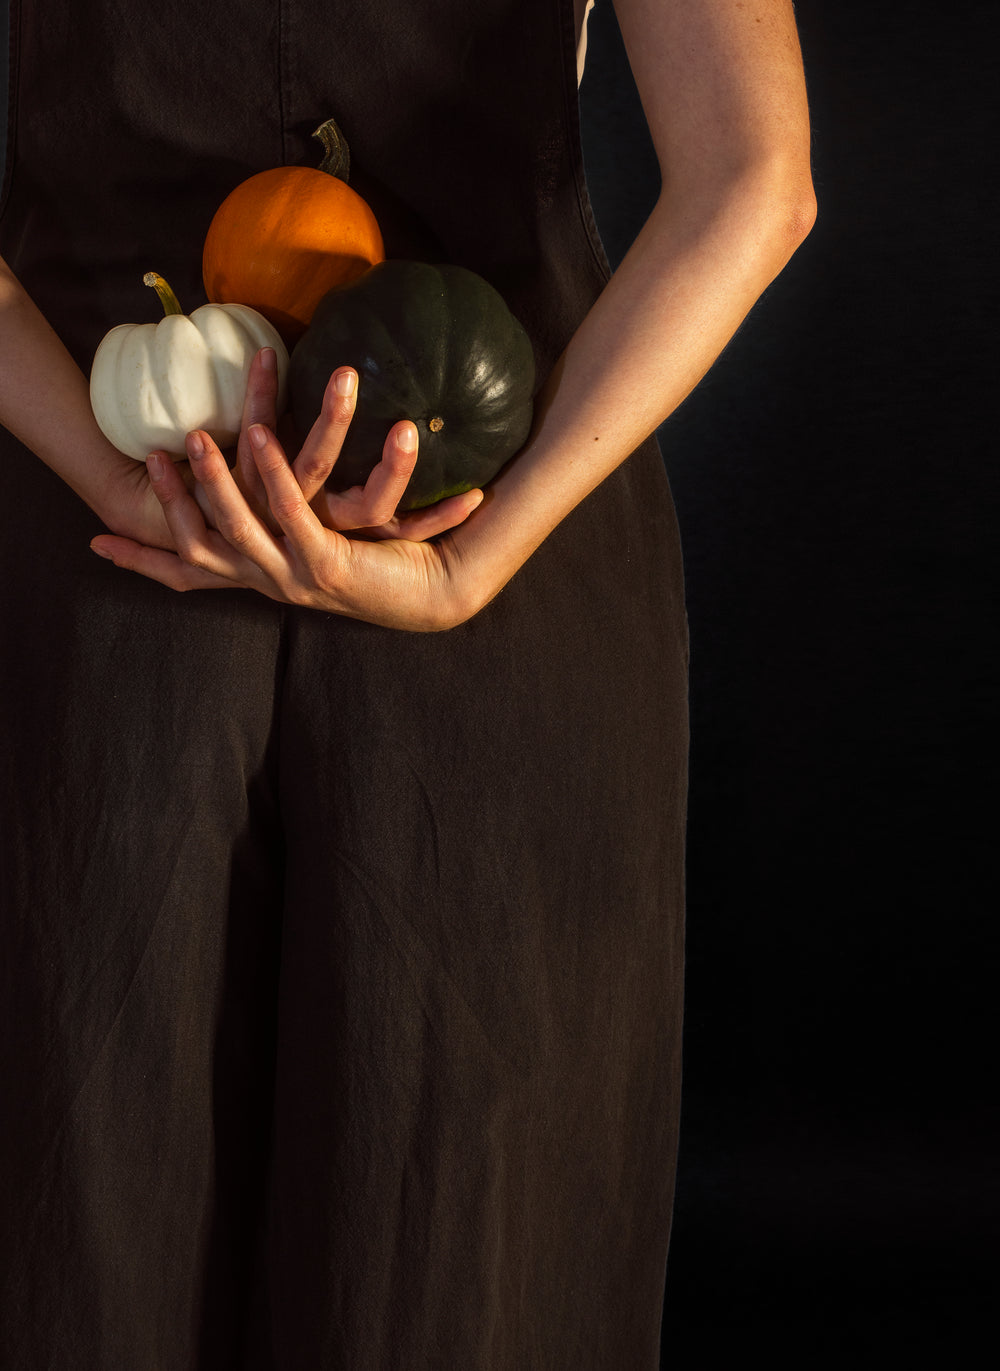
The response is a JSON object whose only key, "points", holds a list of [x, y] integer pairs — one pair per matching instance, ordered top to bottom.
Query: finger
{"points": [[259, 407], [322, 446], [385, 486], [286, 499], [373, 505], [181, 510], [422, 524], [243, 538], [196, 543], [165, 567]]}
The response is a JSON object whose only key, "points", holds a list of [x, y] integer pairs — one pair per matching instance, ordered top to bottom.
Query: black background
{"points": [[831, 477]]}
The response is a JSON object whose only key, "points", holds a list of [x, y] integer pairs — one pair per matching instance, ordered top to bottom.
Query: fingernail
{"points": [[268, 359], [344, 382], [258, 435], [406, 438], [195, 445], [154, 465], [101, 553]]}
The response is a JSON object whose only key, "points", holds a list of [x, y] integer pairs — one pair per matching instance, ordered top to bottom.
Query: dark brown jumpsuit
{"points": [[341, 966]]}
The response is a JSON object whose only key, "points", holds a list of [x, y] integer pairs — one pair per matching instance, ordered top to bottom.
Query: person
{"points": [[344, 897]]}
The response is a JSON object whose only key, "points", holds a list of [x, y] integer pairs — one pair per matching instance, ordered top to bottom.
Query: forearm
{"points": [[694, 272], [45, 398]]}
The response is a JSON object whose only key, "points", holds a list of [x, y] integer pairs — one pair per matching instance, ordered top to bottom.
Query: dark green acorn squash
{"points": [[435, 344]]}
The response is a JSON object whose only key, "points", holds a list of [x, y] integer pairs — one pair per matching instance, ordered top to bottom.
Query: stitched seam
{"points": [[282, 106], [571, 106]]}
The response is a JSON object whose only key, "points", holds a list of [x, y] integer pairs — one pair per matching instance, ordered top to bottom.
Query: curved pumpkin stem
{"points": [[337, 157], [169, 301]]}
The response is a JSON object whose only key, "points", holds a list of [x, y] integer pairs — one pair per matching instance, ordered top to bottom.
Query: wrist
{"points": [[104, 478], [476, 573]]}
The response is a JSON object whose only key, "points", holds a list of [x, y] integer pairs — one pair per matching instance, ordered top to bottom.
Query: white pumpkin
{"points": [[151, 384]]}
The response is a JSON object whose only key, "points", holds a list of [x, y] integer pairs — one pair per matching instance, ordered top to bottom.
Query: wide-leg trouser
{"points": [[341, 975]]}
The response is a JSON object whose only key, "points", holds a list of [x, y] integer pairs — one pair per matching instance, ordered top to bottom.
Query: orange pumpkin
{"points": [[285, 237]]}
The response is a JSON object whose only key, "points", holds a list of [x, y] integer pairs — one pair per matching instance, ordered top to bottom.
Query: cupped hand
{"points": [[129, 504], [368, 511], [272, 526]]}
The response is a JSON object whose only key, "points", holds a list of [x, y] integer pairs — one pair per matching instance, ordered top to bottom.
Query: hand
{"points": [[128, 502], [369, 510], [277, 530]]}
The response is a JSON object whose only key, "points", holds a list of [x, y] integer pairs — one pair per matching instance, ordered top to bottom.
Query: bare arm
{"points": [[722, 87], [723, 92], [45, 402]]}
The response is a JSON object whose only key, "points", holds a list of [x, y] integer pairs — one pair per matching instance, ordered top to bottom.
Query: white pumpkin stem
{"points": [[337, 158], [169, 301]]}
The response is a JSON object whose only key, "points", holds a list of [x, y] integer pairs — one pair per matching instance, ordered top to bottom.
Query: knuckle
{"points": [[260, 398], [337, 409], [270, 459], [399, 461], [315, 470], [168, 498], [288, 509], [379, 512], [238, 532], [186, 550], [192, 554], [194, 557]]}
